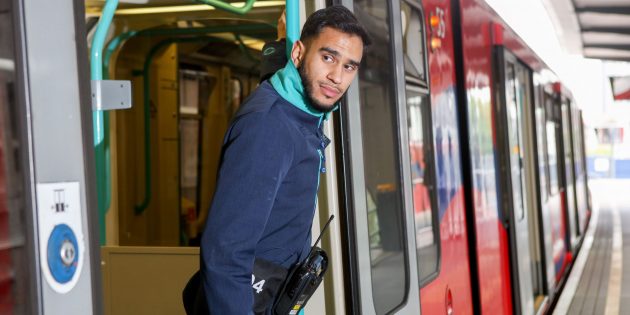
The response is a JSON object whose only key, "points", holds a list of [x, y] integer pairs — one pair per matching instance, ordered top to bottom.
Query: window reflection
{"points": [[514, 97], [542, 162], [382, 176], [421, 202], [426, 229]]}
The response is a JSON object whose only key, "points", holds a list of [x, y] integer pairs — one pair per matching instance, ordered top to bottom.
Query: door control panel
{"points": [[61, 239]]}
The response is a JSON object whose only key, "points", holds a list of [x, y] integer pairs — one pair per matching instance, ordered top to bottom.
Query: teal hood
{"points": [[288, 84]]}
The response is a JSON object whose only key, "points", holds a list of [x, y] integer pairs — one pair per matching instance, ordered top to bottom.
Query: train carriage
{"points": [[457, 166]]}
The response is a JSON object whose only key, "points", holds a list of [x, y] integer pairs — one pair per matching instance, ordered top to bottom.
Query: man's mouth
{"points": [[329, 91]]}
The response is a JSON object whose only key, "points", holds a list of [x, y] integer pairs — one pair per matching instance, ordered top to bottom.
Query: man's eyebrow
{"points": [[330, 50], [337, 54]]}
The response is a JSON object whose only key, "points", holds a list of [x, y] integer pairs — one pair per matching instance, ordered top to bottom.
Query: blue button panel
{"points": [[61, 272]]}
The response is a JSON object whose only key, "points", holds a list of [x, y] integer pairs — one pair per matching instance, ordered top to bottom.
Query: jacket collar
{"points": [[288, 83]]}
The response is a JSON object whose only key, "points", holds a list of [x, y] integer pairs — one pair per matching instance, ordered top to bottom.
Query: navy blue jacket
{"points": [[265, 198]]}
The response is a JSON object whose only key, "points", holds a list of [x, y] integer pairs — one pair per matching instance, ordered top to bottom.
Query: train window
{"points": [[413, 43], [194, 93], [237, 94], [515, 97], [540, 142], [577, 146], [568, 148], [552, 158], [381, 161], [425, 213]]}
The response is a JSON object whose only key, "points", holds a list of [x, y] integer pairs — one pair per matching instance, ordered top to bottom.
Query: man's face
{"points": [[327, 65]]}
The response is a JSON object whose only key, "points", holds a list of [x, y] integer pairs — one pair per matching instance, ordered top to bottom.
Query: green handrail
{"points": [[228, 7], [293, 24], [119, 40], [111, 47], [102, 173], [139, 209]]}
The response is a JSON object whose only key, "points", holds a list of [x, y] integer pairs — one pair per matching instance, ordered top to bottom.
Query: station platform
{"points": [[598, 282]]}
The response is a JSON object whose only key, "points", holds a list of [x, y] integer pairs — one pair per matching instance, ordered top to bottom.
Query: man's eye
{"points": [[328, 58], [350, 68]]}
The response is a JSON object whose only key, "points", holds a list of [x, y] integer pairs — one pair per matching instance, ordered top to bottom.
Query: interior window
{"points": [[413, 43], [195, 88]]}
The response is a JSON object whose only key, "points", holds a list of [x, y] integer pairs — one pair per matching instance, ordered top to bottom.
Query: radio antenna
{"points": [[323, 230]]}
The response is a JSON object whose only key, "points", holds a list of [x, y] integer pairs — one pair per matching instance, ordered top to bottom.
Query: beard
{"points": [[308, 85]]}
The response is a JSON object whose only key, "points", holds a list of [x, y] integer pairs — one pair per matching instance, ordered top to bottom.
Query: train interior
{"points": [[190, 66]]}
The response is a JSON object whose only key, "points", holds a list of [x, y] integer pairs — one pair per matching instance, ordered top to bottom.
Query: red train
{"points": [[502, 215]]}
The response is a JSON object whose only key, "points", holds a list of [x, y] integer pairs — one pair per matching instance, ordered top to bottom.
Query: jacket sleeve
{"points": [[256, 157]]}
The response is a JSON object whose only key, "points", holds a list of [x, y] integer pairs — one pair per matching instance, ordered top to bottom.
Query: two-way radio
{"points": [[303, 280]]}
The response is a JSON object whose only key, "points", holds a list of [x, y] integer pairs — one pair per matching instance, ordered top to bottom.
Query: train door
{"points": [[191, 66], [515, 101], [200, 124], [386, 124], [531, 164], [579, 169], [569, 174], [586, 191], [557, 201], [542, 228], [49, 244]]}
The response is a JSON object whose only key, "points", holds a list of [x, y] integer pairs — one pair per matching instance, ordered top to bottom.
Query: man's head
{"points": [[328, 55]]}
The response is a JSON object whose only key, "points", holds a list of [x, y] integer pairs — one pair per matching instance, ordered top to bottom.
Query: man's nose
{"points": [[335, 73]]}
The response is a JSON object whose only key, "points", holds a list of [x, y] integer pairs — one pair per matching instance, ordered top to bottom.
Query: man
{"points": [[274, 55], [264, 203]]}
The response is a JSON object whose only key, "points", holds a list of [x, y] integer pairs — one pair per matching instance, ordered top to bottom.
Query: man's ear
{"points": [[297, 53]]}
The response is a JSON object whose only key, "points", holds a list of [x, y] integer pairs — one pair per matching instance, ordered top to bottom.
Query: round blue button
{"points": [[63, 253]]}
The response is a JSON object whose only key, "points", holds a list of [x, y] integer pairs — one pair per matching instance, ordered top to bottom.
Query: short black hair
{"points": [[337, 17]]}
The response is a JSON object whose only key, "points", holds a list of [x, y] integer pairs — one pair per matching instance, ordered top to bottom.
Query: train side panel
{"points": [[492, 238], [453, 280]]}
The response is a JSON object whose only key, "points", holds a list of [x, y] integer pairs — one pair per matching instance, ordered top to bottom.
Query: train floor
{"points": [[599, 282]]}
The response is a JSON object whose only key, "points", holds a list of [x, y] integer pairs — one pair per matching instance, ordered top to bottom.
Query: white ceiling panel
{"points": [[601, 3], [589, 19], [604, 38], [602, 53]]}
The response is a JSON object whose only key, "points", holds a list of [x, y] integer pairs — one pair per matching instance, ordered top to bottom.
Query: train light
{"points": [[434, 21], [437, 23], [436, 43]]}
